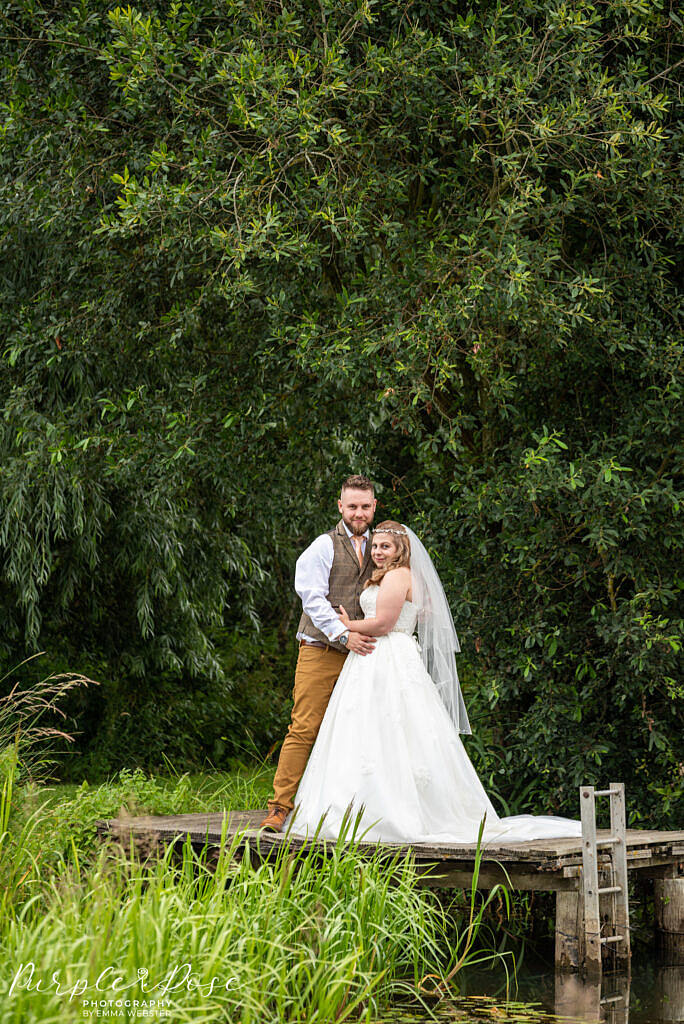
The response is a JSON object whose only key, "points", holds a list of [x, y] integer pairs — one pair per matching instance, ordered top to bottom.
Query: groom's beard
{"points": [[358, 529]]}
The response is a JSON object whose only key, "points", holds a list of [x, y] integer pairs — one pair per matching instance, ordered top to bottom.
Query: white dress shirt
{"points": [[312, 582]]}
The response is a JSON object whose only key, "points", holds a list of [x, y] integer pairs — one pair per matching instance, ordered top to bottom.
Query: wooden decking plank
{"points": [[541, 855]]}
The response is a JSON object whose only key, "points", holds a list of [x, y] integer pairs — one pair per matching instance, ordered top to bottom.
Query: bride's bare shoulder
{"points": [[397, 573], [398, 578]]}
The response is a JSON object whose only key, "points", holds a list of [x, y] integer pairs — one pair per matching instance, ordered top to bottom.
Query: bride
{"points": [[388, 749]]}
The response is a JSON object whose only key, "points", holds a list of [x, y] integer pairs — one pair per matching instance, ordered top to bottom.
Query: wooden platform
{"points": [[548, 864]]}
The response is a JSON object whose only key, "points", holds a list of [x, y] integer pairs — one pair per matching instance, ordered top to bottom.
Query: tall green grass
{"points": [[297, 936], [305, 938]]}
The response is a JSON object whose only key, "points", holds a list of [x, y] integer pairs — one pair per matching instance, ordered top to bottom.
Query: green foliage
{"points": [[246, 251]]}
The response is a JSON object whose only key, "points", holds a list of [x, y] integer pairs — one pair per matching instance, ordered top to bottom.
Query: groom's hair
{"points": [[358, 483]]}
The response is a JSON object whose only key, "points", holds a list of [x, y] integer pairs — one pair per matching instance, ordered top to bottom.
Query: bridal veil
{"points": [[436, 632]]}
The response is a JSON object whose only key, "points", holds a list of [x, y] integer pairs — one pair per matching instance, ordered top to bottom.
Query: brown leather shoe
{"points": [[275, 820]]}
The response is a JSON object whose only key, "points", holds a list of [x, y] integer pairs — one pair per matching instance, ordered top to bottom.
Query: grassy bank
{"points": [[92, 930], [296, 939]]}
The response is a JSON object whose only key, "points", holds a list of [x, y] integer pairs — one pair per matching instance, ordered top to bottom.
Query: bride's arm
{"points": [[391, 596]]}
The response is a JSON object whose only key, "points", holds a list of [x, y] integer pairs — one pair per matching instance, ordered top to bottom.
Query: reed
{"points": [[22, 714], [27, 744], [291, 938], [304, 938], [467, 950]]}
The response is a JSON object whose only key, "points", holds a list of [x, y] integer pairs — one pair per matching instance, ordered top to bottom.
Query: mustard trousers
{"points": [[315, 677]]}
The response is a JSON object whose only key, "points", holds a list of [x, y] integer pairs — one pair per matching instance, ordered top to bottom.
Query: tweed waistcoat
{"points": [[345, 584]]}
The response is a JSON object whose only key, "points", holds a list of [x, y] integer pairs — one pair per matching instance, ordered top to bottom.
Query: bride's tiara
{"points": [[399, 533]]}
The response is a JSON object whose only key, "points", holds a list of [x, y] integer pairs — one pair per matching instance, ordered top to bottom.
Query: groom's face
{"points": [[357, 509]]}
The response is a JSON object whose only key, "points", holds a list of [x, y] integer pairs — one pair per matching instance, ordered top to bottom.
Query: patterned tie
{"points": [[358, 544]]}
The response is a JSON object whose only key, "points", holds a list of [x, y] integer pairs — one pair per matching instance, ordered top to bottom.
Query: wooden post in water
{"points": [[669, 918], [569, 931], [669, 994], [592, 999]]}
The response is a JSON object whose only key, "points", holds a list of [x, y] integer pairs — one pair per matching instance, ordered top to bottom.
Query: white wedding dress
{"points": [[388, 748]]}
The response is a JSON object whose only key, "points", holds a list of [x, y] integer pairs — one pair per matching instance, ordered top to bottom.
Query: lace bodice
{"points": [[406, 623]]}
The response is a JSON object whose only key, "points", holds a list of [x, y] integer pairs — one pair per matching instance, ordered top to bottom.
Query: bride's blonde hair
{"points": [[401, 557]]}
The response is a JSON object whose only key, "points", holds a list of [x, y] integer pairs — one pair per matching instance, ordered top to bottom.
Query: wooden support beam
{"points": [[450, 875], [669, 918], [570, 932], [569, 952]]}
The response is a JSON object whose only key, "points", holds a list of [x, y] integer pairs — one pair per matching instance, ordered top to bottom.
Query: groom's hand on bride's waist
{"points": [[360, 644]]}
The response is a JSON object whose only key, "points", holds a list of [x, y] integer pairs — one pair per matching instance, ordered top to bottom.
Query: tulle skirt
{"points": [[388, 750]]}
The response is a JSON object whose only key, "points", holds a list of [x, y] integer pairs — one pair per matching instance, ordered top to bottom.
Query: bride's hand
{"points": [[343, 615]]}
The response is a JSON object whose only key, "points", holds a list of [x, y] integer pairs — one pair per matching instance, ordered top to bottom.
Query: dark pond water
{"points": [[653, 994]]}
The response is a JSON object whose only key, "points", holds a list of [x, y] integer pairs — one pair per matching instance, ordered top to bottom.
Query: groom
{"points": [[331, 572]]}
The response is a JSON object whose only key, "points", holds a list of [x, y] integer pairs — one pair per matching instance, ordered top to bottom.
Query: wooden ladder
{"points": [[616, 845]]}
